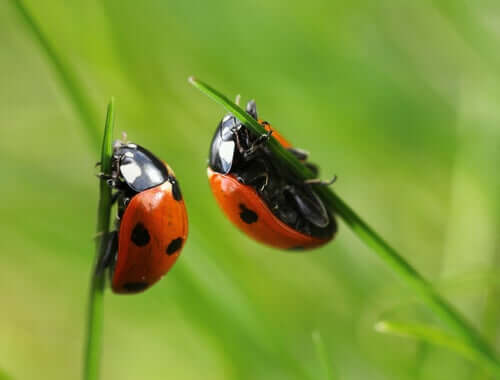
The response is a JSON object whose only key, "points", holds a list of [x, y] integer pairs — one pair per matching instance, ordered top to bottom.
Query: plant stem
{"points": [[66, 77], [389, 255], [97, 282], [323, 356]]}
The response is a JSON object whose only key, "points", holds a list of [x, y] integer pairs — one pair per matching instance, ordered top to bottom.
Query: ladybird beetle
{"points": [[260, 196], [152, 224]]}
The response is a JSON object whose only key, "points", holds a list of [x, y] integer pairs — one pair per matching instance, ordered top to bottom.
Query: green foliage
{"points": [[397, 98]]}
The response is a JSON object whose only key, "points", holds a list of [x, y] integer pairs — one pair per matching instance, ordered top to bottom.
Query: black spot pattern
{"points": [[176, 190], [247, 215], [140, 235], [174, 246], [133, 287]]}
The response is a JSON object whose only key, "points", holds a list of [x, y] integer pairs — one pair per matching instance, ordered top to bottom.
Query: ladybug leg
{"points": [[258, 143], [241, 145], [303, 155], [312, 167], [256, 173], [103, 175], [110, 179], [259, 180], [318, 181], [310, 206], [109, 253]]}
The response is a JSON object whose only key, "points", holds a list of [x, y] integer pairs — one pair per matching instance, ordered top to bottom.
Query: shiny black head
{"points": [[223, 147], [224, 150], [138, 167]]}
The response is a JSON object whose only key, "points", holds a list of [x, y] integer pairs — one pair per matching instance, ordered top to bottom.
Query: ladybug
{"points": [[259, 195], [152, 224]]}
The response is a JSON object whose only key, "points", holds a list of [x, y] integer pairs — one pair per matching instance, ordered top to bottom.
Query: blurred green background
{"points": [[398, 98]]}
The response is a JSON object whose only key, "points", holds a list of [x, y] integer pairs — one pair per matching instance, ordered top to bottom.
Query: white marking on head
{"points": [[226, 151], [129, 154], [130, 171], [155, 176]]}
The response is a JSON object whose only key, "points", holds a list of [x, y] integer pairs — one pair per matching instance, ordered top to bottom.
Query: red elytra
{"points": [[247, 211], [153, 230]]}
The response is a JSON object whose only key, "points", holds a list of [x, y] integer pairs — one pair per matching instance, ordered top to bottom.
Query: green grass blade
{"points": [[67, 78], [288, 158], [389, 255], [96, 296], [437, 337], [323, 356]]}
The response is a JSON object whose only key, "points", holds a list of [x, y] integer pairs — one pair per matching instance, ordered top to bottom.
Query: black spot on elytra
{"points": [[176, 190], [247, 215], [140, 235], [174, 246], [133, 287]]}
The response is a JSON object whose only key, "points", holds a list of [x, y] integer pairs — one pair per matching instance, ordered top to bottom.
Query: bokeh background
{"points": [[398, 98]]}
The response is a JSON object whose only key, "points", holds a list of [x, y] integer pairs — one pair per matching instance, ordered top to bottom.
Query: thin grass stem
{"points": [[427, 293], [96, 295]]}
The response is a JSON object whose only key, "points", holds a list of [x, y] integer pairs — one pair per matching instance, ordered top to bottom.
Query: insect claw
{"points": [[261, 140], [102, 175], [266, 182]]}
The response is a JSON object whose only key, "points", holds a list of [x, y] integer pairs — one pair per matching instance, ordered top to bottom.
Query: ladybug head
{"points": [[223, 147], [223, 150], [139, 168]]}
